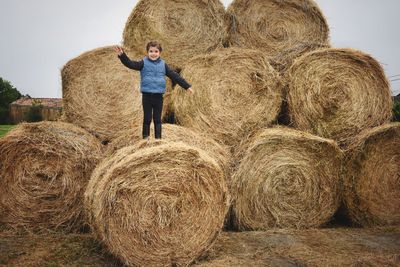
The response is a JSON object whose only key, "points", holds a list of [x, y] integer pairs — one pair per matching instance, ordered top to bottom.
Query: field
{"points": [[253, 65], [5, 128], [316, 247]]}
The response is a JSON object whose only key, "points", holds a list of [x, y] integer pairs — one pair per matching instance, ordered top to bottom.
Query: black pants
{"points": [[152, 108]]}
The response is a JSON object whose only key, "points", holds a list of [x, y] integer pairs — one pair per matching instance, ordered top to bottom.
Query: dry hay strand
{"points": [[274, 26], [184, 27], [283, 60], [237, 92], [336, 93], [100, 94], [173, 133], [44, 169], [287, 178], [371, 180], [159, 205], [311, 247]]}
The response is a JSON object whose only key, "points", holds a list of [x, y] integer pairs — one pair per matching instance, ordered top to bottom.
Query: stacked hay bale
{"points": [[275, 26], [184, 27], [283, 60], [237, 92], [329, 92], [336, 93], [100, 94], [174, 133], [44, 169], [286, 178], [172, 184], [372, 189], [164, 202], [160, 205]]}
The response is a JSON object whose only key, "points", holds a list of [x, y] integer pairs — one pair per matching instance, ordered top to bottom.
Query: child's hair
{"points": [[153, 44]]}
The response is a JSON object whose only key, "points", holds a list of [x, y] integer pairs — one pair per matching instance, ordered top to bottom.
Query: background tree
{"points": [[8, 94], [396, 108]]}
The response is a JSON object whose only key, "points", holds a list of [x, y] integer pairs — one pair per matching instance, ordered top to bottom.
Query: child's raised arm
{"points": [[119, 50], [135, 65]]}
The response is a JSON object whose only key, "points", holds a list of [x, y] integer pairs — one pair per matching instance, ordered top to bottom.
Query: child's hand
{"points": [[119, 50], [190, 90]]}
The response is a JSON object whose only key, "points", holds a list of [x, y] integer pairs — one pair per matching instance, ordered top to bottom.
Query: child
{"points": [[152, 85]]}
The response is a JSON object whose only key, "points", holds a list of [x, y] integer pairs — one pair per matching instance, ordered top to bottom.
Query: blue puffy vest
{"points": [[153, 76]]}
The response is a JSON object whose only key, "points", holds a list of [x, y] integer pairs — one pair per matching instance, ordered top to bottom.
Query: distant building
{"points": [[48, 109]]}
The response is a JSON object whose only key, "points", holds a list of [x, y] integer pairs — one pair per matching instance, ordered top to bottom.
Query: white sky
{"points": [[39, 37]]}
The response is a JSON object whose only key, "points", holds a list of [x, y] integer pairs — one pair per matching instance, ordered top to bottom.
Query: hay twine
{"points": [[274, 26], [184, 27], [237, 92], [336, 93], [100, 94], [44, 169], [287, 179], [371, 180], [159, 205]]}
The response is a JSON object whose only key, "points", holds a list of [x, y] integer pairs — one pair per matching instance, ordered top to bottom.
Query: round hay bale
{"points": [[274, 26], [184, 27], [281, 62], [237, 92], [336, 93], [100, 94], [172, 133], [44, 170], [286, 178], [371, 180], [157, 206]]}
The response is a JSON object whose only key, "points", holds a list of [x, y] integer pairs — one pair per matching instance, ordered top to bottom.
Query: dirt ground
{"points": [[317, 247]]}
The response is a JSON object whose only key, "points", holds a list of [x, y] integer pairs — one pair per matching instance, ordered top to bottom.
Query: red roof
{"points": [[46, 102]]}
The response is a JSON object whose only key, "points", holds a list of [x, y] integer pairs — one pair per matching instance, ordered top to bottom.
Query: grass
{"points": [[396, 110], [5, 128]]}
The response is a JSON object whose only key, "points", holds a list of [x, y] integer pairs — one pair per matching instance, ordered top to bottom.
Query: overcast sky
{"points": [[39, 37]]}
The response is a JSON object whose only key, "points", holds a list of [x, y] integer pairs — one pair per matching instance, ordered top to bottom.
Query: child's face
{"points": [[153, 53]]}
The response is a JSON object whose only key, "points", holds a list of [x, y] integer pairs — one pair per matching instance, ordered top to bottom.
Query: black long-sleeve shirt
{"points": [[138, 65]]}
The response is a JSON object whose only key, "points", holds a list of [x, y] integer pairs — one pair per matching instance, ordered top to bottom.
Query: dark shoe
{"points": [[146, 131], [157, 131]]}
